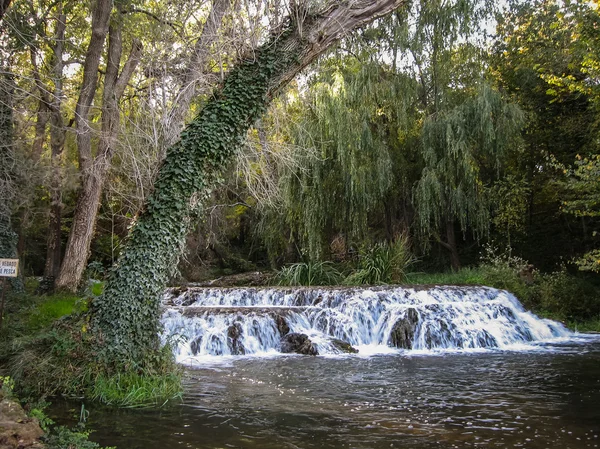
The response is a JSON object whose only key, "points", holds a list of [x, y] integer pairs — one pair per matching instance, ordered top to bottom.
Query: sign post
{"points": [[8, 268]]}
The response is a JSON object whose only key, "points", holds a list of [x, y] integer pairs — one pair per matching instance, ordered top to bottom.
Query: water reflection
{"points": [[542, 399]]}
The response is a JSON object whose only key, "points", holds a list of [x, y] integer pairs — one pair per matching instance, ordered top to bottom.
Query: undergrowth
{"points": [[378, 264], [47, 349]]}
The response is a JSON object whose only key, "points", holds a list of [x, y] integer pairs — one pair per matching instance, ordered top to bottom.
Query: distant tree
{"points": [[546, 59]]}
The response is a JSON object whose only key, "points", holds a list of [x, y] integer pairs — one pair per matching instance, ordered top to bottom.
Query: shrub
{"points": [[383, 263], [308, 274]]}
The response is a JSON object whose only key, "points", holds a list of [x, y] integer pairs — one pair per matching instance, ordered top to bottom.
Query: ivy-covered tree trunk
{"points": [[126, 316]]}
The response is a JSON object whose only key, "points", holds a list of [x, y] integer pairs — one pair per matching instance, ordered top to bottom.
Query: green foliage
{"points": [[544, 59], [350, 118], [456, 142], [383, 263], [309, 274], [126, 316], [47, 353], [133, 390], [36, 410], [65, 438]]}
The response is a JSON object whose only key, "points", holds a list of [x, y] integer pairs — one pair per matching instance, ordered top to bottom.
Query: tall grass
{"points": [[383, 263], [309, 274], [133, 390]]}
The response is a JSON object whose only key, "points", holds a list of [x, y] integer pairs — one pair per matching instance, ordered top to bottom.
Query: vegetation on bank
{"points": [[46, 348], [37, 421]]}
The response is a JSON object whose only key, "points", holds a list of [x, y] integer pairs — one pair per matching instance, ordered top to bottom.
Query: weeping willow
{"points": [[346, 119], [457, 145]]}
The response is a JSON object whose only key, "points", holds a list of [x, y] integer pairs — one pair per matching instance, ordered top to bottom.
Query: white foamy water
{"points": [[249, 321]]}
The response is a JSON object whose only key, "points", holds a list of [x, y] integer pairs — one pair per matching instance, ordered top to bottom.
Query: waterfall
{"points": [[319, 320]]}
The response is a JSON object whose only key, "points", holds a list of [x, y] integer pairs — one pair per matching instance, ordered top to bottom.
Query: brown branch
{"points": [[176, 27]]}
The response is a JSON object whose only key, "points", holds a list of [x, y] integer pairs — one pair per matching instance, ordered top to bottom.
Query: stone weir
{"points": [[202, 321]]}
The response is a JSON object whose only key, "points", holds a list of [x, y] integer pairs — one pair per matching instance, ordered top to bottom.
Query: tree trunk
{"points": [[195, 71], [57, 143], [95, 170], [451, 245], [77, 248], [126, 316]]}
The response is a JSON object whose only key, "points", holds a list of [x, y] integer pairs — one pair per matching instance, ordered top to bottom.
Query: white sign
{"points": [[9, 267]]}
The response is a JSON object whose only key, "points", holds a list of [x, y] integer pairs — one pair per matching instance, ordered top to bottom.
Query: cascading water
{"points": [[244, 321]]}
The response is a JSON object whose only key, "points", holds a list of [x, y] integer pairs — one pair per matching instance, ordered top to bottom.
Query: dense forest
{"points": [[447, 125], [146, 144]]}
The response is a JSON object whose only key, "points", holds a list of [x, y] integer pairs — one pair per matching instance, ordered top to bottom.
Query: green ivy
{"points": [[126, 316]]}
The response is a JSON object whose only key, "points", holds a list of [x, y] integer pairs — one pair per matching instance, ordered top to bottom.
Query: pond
{"points": [[544, 396]]}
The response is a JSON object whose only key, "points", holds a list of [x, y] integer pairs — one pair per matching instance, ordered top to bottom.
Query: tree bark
{"points": [[195, 71], [57, 143], [95, 170], [451, 245], [126, 316]]}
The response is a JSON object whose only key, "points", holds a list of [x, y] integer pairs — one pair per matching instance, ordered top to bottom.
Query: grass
{"points": [[466, 276], [53, 308], [586, 326], [47, 349], [132, 390]]}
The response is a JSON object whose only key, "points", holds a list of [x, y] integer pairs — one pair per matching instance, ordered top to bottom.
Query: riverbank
{"points": [[45, 346], [17, 430]]}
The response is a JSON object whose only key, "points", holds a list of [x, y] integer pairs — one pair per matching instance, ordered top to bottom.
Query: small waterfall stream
{"points": [[317, 320]]}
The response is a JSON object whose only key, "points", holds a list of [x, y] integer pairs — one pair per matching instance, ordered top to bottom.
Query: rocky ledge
{"points": [[17, 430]]}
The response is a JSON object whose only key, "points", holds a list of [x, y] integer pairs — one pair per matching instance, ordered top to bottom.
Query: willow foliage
{"points": [[346, 118], [456, 145]]}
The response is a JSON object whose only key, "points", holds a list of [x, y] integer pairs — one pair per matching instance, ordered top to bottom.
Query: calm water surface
{"points": [[534, 399]]}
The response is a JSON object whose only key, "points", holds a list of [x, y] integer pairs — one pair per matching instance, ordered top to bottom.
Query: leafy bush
{"points": [[383, 263], [308, 274], [47, 349], [64, 438]]}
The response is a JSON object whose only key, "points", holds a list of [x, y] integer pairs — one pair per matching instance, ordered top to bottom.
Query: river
{"points": [[544, 396]]}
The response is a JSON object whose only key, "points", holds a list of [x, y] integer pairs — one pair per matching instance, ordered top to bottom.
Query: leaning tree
{"points": [[126, 317]]}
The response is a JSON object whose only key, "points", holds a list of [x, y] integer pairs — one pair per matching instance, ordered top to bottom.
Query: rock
{"points": [[282, 325], [403, 331], [234, 332], [297, 343], [195, 345], [343, 346], [17, 430]]}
